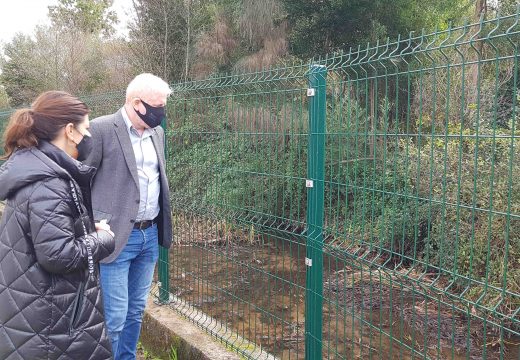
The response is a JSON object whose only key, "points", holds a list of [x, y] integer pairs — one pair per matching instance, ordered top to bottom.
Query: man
{"points": [[130, 192]]}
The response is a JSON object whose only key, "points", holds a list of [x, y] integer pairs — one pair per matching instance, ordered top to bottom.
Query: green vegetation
{"points": [[181, 40], [420, 164], [148, 355]]}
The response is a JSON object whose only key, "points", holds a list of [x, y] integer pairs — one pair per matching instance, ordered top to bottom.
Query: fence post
{"points": [[315, 212], [163, 267]]}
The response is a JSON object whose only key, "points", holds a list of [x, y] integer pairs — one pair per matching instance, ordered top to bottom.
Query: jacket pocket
{"points": [[77, 308]]}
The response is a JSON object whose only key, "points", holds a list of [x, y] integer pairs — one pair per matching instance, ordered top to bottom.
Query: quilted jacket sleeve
{"points": [[52, 228]]}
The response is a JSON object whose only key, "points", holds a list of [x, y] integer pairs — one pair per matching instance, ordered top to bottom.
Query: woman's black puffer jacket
{"points": [[50, 307]]}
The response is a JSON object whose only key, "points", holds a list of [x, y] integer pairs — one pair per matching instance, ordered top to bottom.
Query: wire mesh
{"points": [[421, 208]]}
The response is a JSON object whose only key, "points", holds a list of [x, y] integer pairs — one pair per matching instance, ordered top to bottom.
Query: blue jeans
{"points": [[126, 283]]}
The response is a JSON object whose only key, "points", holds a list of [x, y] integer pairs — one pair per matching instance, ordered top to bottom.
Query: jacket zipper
{"points": [[78, 307]]}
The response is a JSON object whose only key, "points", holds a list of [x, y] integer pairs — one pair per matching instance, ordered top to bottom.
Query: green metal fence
{"points": [[99, 104], [4, 119], [362, 205]]}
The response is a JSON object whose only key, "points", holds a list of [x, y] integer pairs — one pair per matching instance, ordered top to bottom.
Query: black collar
{"points": [[78, 171]]}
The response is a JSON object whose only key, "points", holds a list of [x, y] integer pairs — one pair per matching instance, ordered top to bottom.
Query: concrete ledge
{"points": [[163, 328]]}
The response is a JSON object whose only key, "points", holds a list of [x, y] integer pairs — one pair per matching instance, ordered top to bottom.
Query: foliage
{"points": [[89, 16], [257, 19], [321, 27], [158, 37], [193, 39], [182, 40], [215, 48], [65, 56], [53, 60], [18, 77], [4, 98], [4, 120], [476, 173], [417, 175], [149, 355]]}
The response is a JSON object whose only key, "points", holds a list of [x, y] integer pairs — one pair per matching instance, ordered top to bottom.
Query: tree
{"points": [[504, 7], [89, 16], [257, 19], [262, 26], [318, 27], [164, 32], [158, 37], [183, 39], [215, 48], [69, 55], [53, 60], [88, 62], [117, 65], [19, 78], [4, 98]]}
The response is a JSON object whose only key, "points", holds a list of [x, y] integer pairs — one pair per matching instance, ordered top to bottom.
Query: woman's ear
{"points": [[69, 131]]}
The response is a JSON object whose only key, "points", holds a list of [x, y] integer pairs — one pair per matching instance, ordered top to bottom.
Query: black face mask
{"points": [[154, 115], [84, 148]]}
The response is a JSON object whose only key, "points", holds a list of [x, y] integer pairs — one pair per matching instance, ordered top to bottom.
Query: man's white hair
{"points": [[147, 84]]}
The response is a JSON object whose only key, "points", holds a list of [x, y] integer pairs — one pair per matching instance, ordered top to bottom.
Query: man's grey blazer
{"points": [[115, 189]]}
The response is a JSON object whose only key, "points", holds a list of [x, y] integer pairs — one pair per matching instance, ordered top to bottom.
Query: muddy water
{"points": [[257, 290]]}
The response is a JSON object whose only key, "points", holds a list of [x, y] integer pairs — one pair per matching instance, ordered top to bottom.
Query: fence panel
{"points": [[5, 114], [237, 163], [422, 236]]}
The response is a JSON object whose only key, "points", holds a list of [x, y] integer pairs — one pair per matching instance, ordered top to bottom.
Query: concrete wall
{"points": [[163, 328]]}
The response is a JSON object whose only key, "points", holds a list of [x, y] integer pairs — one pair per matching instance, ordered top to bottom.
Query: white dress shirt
{"points": [[147, 171]]}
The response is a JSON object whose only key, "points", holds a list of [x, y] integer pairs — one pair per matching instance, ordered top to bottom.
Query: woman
{"points": [[50, 300]]}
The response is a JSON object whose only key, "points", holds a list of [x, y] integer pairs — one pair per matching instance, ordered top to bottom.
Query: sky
{"points": [[24, 15]]}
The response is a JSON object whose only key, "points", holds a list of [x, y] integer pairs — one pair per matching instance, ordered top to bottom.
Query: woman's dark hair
{"points": [[49, 113]]}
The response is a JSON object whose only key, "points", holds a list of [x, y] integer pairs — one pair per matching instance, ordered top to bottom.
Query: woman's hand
{"points": [[102, 225]]}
